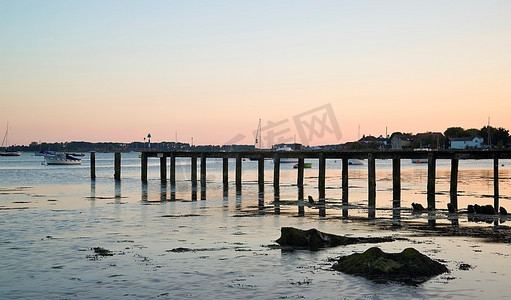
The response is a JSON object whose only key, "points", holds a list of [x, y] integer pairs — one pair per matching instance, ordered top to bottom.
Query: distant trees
{"points": [[499, 137]]}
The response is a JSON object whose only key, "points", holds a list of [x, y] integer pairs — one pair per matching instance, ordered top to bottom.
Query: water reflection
{"points": [[117, 190], [144, 192], [163, 192], [276, 199], [238, 202], [260, 203], [301, 204], [431, 219]]}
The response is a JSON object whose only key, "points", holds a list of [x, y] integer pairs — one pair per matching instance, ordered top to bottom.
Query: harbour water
{"points": [[52, 218]]}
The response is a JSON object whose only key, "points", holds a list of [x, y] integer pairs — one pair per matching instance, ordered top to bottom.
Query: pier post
{"points": [[93, 165], [117, 166], [144, 167], [163, 169], [172, 170], [276, 172], [238, 173], [260, 173], [371, 173], [225, 174], [203, 176], [194, 177], [321, 177], [299, 179], [431, 180], [454, 182], [496, 182], [396, 183], [321, 184], [345, 189]]}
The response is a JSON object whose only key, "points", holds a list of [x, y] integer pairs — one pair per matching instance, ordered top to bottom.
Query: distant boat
{"points": [[7, 152], [43, 153], [61, 159], [287, 159], [420, 160], [355, 161], [305, 165]]}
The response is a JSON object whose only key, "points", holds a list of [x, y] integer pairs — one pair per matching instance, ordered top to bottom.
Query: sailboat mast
{"points": [[4, 141], [258, 141]]}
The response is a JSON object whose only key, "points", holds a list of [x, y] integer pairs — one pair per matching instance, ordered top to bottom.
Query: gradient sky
{"points": [[117, 70]]}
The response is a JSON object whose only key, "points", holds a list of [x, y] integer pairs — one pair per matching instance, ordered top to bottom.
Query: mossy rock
{"points": [[314, 239], [410, 266]]}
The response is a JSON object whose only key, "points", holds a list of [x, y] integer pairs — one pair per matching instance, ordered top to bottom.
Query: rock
{"points": [[417, 207], [450, 208], [488, 210], [503, 211], [313, 239], [409, 266]]}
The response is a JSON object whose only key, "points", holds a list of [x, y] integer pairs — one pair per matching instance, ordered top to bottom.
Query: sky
{"points": [[315, 72]]}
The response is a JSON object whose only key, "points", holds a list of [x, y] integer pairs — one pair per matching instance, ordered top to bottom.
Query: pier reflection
{"points": [[144, 192], [163, 192], [276, 200], [301, 204]]}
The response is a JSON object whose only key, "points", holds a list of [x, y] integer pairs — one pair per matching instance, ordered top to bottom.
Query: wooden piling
{"points": [[93, 165], [117, 166], [144, 167], [163, 169], [172, 170], [276, 171], [225, 173], [238, 173], [371, 173], [260, 174], [203, 176], [321, 176], [194, 177], [299, 179], [431, 180], [344, 181], [496, 182], [396, 183], [454, 183], [322, 185], [345, 187]]}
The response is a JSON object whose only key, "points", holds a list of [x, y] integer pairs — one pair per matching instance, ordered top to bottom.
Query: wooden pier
{"points": [[371, 156]]}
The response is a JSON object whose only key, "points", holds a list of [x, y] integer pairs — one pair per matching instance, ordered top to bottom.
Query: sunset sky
{"points": [[118, 70]]}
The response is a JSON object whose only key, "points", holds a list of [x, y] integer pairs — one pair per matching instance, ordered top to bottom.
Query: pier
{"points": [[322, 156]]}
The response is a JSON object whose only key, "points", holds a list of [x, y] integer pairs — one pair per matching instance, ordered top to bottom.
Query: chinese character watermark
{"points": [[311, 125]]}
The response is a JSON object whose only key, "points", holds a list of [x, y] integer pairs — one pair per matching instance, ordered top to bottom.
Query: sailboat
{"points": [[258, 142], [6, 151]]}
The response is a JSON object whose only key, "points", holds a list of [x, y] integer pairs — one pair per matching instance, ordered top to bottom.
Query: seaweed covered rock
{"points": [[313, 239], [409, 266]]}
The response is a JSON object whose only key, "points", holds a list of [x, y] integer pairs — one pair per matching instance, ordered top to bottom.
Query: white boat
{"points": [[4, 145], [61, 159], [287, 159], [420, 160], [355, 161]]}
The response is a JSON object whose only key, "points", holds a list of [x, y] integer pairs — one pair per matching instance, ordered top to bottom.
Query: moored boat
{"points": [[7, 151], [10, 153], [61, 159], [287, 159], [420, 160], [355, 161], [305, 165]]}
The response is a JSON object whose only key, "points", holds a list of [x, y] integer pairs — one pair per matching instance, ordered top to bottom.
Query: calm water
{"points": [[52, 216]]}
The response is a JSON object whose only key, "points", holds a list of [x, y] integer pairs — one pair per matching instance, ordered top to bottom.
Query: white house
{"points": [[466, 142]]}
